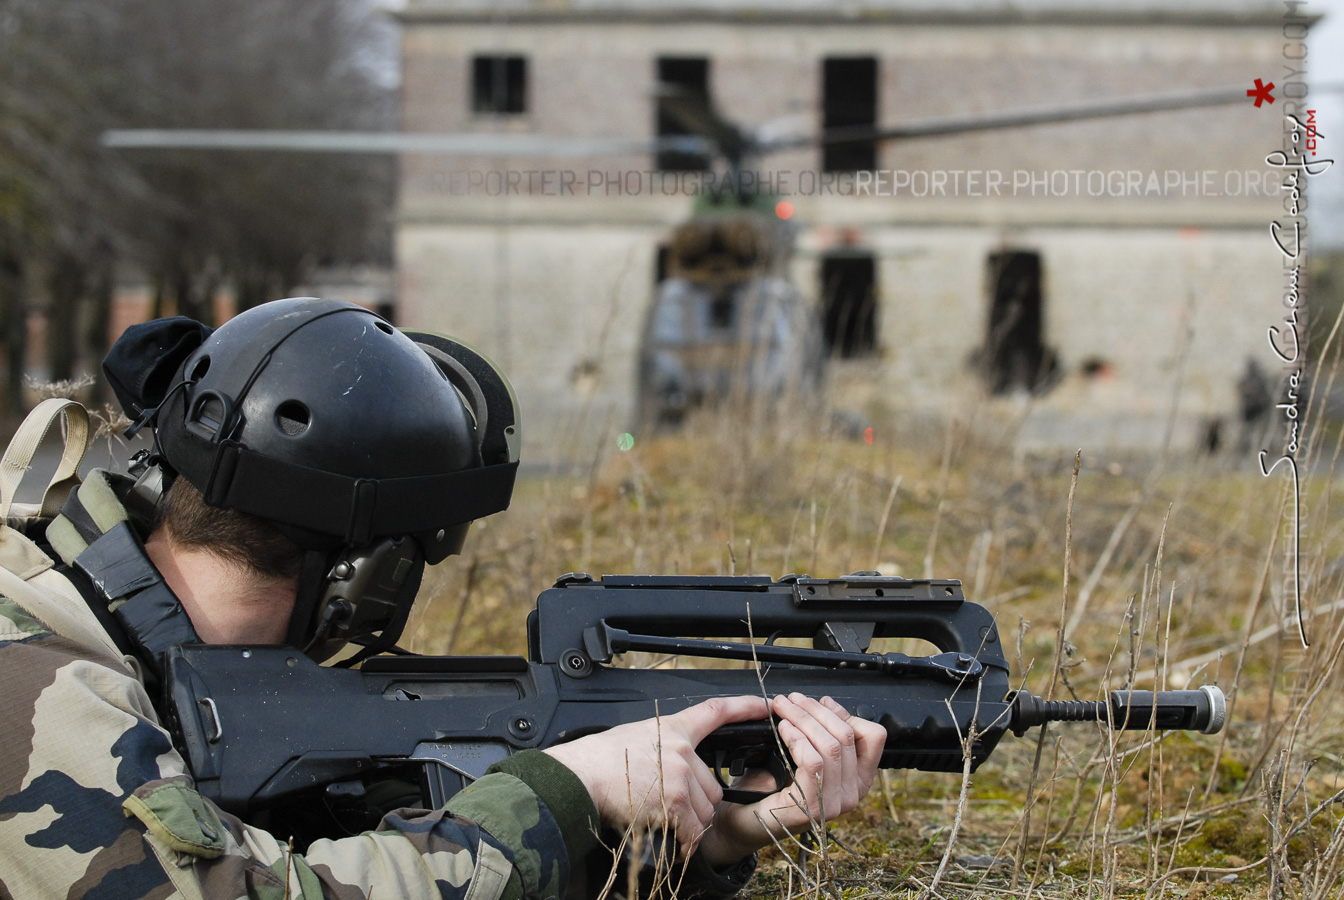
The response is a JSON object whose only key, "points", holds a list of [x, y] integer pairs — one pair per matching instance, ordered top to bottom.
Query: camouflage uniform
{"points": [[96, 803]]}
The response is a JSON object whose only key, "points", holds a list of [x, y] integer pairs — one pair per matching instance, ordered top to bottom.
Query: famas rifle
{"points": [[268, 732]]}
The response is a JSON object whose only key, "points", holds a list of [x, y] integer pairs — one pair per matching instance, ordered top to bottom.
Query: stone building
{"points": [[1134, 252]]}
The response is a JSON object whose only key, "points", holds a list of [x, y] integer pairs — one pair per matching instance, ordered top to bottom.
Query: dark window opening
{"points": [[686, 80], [499, 85], [849, 100], [660, 263], [849, 304], [1015, 357]]}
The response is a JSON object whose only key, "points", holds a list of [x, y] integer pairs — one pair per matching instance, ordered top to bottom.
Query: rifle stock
{"points": [[264, 727]]}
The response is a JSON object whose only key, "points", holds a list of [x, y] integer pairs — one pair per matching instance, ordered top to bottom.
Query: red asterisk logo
{"points": [[1261, 92]]}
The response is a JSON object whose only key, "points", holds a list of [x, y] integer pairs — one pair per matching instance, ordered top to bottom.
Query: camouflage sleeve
{"points": [[77, 739], [561, 790], [95, 803]]}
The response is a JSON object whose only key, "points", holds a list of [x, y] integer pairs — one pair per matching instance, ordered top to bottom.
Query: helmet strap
{"points": [[312, 584]]}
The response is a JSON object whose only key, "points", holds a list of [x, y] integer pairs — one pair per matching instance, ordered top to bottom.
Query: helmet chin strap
{"points": [[312, 584], [386, 639]]}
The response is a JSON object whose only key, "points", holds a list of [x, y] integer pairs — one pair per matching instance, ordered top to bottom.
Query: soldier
{"points": [[1255, 402], [299, 442]]}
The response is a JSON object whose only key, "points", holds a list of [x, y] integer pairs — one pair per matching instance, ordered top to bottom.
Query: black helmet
{"points": [[360, 442]]}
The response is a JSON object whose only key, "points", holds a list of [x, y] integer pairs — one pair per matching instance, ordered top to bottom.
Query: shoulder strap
{"points": [[23, 447], [17, 553], [26, 575]]}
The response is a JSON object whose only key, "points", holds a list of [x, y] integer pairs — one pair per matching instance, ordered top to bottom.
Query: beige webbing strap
{"points": [[22, 448]]}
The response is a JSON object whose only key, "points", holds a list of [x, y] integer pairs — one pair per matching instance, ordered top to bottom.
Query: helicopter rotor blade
{"points": [[699, 117], [1024, 118], [712, 134], [489, 145]]}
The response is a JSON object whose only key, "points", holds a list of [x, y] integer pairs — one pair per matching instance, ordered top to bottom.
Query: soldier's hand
{"points": [[836, 757], [647, 774]]}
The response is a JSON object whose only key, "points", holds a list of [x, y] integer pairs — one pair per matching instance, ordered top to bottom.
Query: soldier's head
{"points": [[311, 439]]}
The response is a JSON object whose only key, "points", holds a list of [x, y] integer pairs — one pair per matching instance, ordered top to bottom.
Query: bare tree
{"points": [[53, 193], [257, 220], [193, 222]]}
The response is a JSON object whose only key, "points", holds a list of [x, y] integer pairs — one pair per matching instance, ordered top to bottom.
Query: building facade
{"points": [[1097, 282]]}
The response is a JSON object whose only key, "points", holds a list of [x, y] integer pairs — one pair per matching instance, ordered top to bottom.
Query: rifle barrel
{"points": [[1203, 709]]}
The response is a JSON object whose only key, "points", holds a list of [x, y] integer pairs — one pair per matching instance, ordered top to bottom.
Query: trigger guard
{"points": [[778, 770]]}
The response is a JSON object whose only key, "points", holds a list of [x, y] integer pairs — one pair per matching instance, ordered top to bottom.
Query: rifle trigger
{"points": [[720, 764], [736, 767]]}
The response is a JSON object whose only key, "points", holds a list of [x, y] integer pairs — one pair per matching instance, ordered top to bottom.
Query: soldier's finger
{"points": [[700, 720], [832, 739], [870, 739], [808, 764], [704, 776], [846, 788], [690, 819]]}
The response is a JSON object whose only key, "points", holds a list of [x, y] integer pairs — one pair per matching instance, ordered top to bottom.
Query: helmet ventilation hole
{"points": [[384, 327], [198, 371], [292, 418]]}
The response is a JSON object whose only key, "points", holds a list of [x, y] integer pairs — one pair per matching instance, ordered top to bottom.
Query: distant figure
{"points": [[1255, 402], [1213, 436]]}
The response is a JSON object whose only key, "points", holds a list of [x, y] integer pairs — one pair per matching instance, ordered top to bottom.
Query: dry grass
{"points": [[1176, 576]]}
